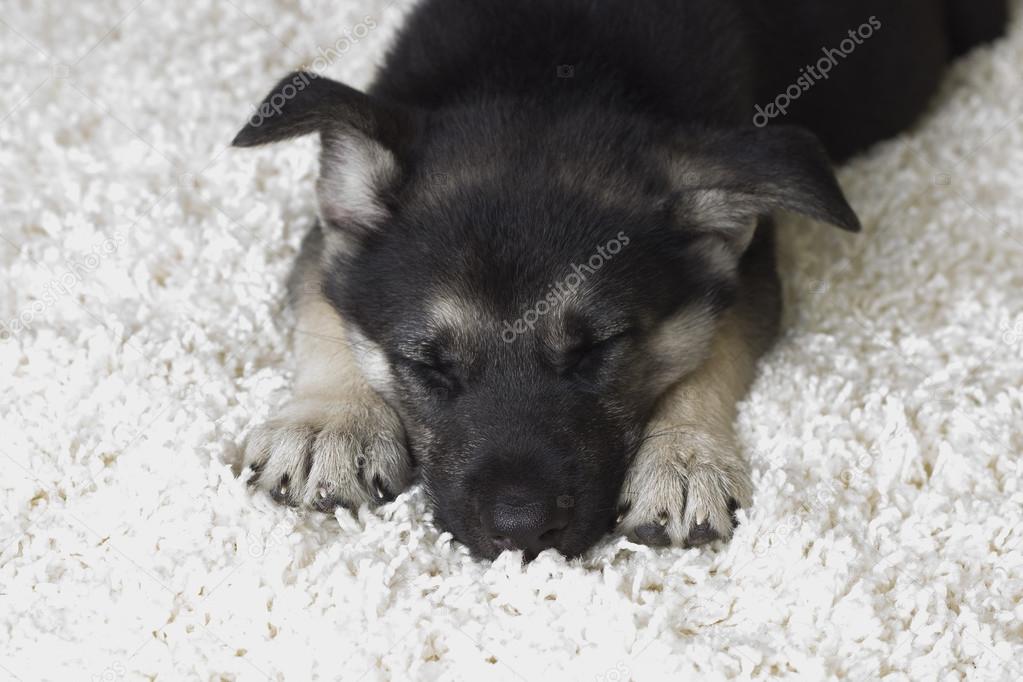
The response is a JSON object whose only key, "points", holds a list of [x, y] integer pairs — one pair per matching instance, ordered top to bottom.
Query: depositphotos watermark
{"points": [[325, 57], [810, 75], [61, 286], [561, 291], [1012, 333]]}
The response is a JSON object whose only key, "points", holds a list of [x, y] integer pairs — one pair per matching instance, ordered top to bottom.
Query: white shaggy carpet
{"points": [[142, 279]]}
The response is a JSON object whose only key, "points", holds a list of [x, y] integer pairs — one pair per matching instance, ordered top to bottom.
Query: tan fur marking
{"points": [[680, 345]]}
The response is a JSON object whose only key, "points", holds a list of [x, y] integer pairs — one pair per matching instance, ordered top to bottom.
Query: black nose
{"points": [[527, 524]]}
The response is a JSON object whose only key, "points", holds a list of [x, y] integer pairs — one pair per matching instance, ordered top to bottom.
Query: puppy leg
{"points": [[337, 443], [688, 476]]}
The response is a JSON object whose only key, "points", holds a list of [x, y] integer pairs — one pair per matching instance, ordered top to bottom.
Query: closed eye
{"points": [[586, 356], [426, 368], [437, 377]]}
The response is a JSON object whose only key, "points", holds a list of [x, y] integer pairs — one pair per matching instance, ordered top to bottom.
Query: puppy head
{"points": [[523, 290]]}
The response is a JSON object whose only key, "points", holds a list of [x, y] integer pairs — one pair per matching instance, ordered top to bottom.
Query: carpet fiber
{"points": [[143, 264]]}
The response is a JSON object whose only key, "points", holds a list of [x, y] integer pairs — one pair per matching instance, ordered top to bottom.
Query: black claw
{"points": [[257, 469], [380, 492], [280, 493], [328, 504], [733, 506], [622, 510], [619, 515], [653, 534], [701, 534]]}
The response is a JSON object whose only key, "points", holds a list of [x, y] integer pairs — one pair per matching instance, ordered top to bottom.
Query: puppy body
{"points": [[546, 230]]}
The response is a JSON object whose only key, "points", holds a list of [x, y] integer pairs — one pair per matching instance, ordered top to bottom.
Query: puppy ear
{"points": [[362, 140], [726, 180]]}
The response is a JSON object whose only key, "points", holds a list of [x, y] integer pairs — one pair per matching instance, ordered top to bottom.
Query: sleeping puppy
{"points": [[543, 268]]}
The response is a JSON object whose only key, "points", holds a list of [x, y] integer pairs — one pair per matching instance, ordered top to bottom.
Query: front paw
{"points": [[324, 454], [683, 489]]}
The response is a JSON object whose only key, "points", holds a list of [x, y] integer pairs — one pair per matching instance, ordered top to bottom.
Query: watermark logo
{"points": [[349, 38], [812, 74], [274, 105], [75, 272], [561, 291], [1012, 334], [258, 545], [115, 671], [619, 673]]}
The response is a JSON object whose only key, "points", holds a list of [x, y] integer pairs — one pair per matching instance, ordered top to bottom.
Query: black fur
{"points": [[527, 134]]}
